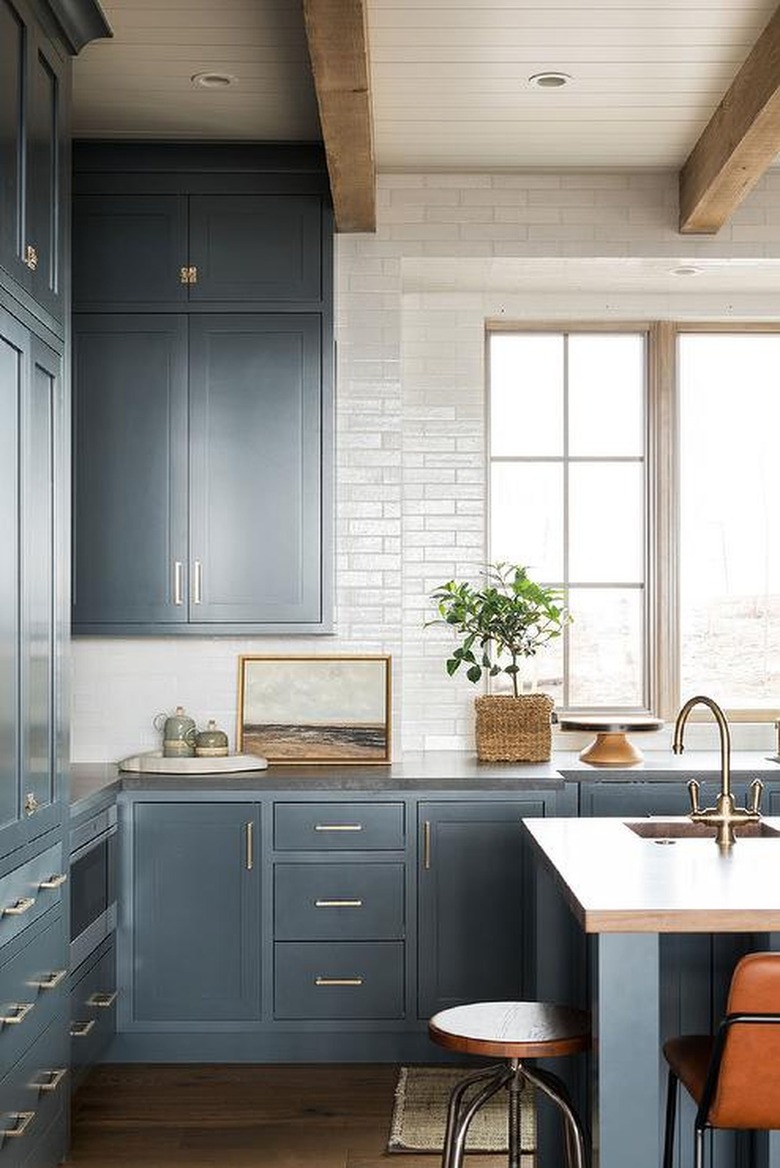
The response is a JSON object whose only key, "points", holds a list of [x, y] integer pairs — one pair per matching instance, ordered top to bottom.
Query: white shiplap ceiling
{"points": [[449, 77], [138, 84]]}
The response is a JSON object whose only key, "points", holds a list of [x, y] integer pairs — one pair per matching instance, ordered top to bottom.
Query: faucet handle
{"points": [[693, 790], [756, 791]]}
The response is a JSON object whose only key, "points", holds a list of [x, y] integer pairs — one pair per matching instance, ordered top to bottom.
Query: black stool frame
{"points": [[512, 1075]]}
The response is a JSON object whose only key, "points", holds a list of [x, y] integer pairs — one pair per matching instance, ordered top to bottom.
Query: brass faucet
{"points": [[725, 814]]}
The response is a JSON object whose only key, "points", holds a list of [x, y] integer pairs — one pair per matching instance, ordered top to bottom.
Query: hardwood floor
{"points": [[239, 1116]]}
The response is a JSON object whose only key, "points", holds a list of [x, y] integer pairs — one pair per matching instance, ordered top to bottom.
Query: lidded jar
{"points": [[178, 731], [211, 742]]}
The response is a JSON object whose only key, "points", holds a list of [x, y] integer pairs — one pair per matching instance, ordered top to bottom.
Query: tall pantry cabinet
{"points": [[37, 41], [203, 396]]}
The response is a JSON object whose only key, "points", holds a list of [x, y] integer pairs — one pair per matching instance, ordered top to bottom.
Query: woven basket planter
{"points": [[513, 729]]}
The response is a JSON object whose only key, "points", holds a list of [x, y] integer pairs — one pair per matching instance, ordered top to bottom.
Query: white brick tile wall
{"points": [[410, 491]]}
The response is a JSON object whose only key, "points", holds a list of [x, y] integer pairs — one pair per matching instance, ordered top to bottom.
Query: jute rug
{"points": [[420, 1115]]}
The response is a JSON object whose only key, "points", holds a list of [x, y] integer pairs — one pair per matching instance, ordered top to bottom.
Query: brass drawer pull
{"points": [[178, 568], [338, 827], [427, 845], [249, 860], [54, 881], [338, 904], [23, 905], [51, 980], [338, 981], [104, 1001], [20, 1012], [81, 1029], [54, 1080], [23, 1120]]}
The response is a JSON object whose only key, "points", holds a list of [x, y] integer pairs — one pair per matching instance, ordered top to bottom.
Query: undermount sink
{"points": [[674, 829]]}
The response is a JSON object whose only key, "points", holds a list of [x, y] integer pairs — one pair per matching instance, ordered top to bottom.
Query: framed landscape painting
{"points": [[315, 709]]}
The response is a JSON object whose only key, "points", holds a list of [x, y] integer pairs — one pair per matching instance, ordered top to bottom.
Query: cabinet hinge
{"points": [[188, 275]]}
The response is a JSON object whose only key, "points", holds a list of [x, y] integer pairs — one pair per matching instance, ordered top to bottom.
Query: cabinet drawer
{"points": [[330, 827], [30, 890], [339, 902], [360, 979], [33, 984], [92, 1010], [31, 1095]]}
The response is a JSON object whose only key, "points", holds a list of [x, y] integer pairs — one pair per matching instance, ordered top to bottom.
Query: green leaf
{"points": [[474, 673]]}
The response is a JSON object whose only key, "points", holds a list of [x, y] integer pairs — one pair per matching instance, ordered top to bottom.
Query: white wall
{"points": [[410, 434]]}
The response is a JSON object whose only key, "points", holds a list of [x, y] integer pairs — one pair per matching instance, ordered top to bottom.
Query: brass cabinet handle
{"points": [[31, 257], [197, 582], [178, 596], [31, 804], [338, 827], [427, 845], [250, 846], [54, 881], [338, 903], [23, 905], [51, 980], [338, 981], [103, 1001], [20, 1012], [81, 1029], [54, 1080], [23, 1120]]}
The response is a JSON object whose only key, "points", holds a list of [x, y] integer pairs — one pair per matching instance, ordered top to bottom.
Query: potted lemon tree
{"points": [[499, 624]]}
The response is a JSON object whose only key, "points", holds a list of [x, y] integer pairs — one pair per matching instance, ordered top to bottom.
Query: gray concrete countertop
{"points": [[450, 771]]}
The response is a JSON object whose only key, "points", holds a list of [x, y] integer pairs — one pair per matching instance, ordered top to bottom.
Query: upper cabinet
{"points": [[33, 126], [139, 250], [203, 395]]}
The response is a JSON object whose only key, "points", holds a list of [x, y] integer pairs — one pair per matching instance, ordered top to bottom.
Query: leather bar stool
{"points": [[514, 1032], [734, 1075]]}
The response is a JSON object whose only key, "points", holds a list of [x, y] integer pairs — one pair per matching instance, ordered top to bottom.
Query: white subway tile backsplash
{"points": [[410, 479]]}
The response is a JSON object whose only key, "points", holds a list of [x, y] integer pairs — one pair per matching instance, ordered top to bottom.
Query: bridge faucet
{"points": [[725, 814]]}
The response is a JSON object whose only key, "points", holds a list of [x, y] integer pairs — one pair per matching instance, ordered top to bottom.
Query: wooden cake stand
{"points": [[610, 747]]}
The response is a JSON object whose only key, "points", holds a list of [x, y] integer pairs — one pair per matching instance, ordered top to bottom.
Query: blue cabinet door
{"points": [[256, 468], [130, 470], [30, 771], [195, 913], [473, 943]]}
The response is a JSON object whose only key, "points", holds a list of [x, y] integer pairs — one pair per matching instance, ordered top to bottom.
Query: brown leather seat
{"points": [[734, 1075]]}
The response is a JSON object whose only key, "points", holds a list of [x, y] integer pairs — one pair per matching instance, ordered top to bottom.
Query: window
{"points": [[634, 468]]}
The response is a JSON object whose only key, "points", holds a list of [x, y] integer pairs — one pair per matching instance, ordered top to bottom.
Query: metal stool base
{"points": [[512, 1075]]}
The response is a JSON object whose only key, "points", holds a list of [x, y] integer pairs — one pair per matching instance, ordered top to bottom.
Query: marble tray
{"points": [[153, 763]]}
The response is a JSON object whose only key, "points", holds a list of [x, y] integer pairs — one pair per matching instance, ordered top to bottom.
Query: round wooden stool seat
{"points": [[512, 1030]]}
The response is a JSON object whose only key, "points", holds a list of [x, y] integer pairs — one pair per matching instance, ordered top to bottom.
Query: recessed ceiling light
{"points": [[551, 79], [213, 80], [686, 270]]}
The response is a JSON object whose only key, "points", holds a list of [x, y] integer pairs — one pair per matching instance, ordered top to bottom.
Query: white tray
{"points": [[153, 763]]}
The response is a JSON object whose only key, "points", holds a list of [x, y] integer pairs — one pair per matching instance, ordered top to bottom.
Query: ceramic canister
{"points": [[178, 733], [211, 742]]}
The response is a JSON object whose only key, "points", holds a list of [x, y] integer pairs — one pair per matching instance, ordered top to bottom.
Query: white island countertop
{"points": [[617, 882]]}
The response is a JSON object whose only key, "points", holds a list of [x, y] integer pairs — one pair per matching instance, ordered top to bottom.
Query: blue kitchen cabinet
{"points": [[33, 158], [135, 251], [203, 375], [217, 420], [31, 585], [636, 798], [195, 913], [474, 930]]}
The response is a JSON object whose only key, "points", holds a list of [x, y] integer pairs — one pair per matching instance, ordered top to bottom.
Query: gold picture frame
{"points": [[323, 709]]}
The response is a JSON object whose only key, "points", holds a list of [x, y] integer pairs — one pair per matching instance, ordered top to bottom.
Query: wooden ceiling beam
{"points": [[338, 47], [740, 141]]}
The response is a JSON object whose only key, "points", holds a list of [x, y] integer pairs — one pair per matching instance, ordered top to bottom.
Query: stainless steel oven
{"points": [[92, 883]]}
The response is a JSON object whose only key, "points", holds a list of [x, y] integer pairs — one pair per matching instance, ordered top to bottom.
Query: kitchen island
{"points": [[628, 892]]}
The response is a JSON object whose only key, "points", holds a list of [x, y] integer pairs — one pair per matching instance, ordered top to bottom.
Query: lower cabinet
{"points": [[195, 912], [473, 930], [93, 996]]}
